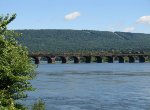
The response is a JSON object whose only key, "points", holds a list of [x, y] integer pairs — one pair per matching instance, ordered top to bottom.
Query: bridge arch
{"points": [[62, 58], [36, 59], [49, 59], [75, 59], [87, 59], [99, 59], [110, 59], [120, 59], [131, 59], [141, 59]]}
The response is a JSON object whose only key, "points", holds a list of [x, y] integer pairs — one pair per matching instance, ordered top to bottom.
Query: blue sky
{"points": [[104, 15]]}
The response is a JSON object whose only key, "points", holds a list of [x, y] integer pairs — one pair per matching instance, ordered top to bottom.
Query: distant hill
{"points": [[51, 40]]}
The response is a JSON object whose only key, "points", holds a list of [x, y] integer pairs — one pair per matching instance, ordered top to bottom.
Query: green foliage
{"points": [[4, 21], [83, 41], [15, 67], [7, 104], [39, 105]]}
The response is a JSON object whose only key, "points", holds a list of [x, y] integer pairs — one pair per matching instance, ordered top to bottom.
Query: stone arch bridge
{"points": [[110, 58]]}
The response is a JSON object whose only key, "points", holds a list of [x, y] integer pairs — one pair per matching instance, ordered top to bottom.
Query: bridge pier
{"points": [[63, 59], [76, 59], [87, 59], [99, 59], [110, 59], [121, 59], [131, 59], [141, 59], [36, 60], [49, 60], [53, 60]]}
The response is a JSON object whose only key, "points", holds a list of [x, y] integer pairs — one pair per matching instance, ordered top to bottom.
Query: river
{"points": [[92, 86]]}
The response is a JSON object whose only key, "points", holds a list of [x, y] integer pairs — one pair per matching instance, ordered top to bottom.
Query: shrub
{"points": [[15, 67], [39, 105]]}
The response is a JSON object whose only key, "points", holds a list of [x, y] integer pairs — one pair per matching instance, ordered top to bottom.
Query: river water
{"points": [[92, 86]]}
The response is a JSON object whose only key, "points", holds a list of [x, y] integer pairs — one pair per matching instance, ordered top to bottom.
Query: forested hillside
{"points": [[54, 41]]}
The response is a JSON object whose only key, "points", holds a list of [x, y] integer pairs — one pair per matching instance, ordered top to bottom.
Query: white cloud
{"points": [[72, 16], [144, 20], [129, 29]]}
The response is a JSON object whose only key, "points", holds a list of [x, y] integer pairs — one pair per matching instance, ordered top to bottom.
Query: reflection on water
{"points": [[92, 86]]}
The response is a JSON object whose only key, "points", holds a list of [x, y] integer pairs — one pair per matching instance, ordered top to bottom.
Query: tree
{"points": [[15, 67]]}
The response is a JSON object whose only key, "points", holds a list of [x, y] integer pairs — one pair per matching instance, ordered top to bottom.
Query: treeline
{"points": [[60, 41]]}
